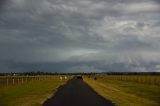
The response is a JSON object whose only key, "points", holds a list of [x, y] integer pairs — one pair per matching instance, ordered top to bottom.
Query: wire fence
{"points": [[13, 80], [153, 80]]}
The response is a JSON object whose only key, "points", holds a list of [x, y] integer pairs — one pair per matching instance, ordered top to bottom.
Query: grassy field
{"points": [[145, 79], [126, 93], [29, 94]]}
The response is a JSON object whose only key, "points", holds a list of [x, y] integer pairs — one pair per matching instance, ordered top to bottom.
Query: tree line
{"points": [[35, 73]]}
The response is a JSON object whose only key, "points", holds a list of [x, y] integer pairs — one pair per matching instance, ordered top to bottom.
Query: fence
{"points": [[145, 79], [12, 80]]}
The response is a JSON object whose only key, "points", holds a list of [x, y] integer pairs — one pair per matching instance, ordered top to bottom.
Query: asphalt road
{"points": [[77, 93]]}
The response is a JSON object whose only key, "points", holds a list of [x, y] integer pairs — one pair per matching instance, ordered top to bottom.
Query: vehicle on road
{"points": [[79, 77]]}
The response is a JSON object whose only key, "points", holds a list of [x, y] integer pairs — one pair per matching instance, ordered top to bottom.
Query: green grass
{"points": [[124, 93], [29, 94]]}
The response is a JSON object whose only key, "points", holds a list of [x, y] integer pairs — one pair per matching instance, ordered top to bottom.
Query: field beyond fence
{"points": [[145, 79]]}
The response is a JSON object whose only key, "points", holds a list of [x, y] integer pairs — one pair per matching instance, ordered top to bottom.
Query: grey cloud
{"points": [[2, 3], [65, 35]]}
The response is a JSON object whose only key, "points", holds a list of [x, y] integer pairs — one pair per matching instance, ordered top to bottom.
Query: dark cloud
{"points": [[157, 1], [2, 2], [85, 35]]}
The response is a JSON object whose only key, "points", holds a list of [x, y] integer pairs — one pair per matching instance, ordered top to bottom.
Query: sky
{"points": [[80, 35]]}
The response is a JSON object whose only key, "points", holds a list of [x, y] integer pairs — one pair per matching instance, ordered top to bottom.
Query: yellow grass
{"points": [[29, 94], [121, 95]]}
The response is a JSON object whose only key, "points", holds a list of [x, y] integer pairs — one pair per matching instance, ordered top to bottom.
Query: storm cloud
{"points": [[79, 35]]}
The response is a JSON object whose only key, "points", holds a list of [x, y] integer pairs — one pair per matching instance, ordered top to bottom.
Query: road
{"points": [[77, 93]]}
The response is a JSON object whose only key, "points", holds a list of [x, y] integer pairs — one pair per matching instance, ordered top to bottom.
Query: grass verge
{"points": [[126, 93], [29, 94]]}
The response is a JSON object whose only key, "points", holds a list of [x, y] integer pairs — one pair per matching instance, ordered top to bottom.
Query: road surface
{"points": [[77, 93]]}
